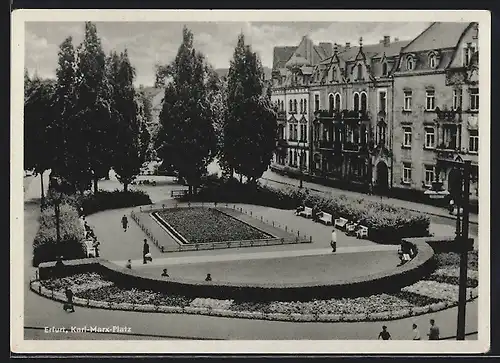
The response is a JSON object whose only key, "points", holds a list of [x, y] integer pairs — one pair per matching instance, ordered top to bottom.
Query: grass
{"points": [[206, 225]]}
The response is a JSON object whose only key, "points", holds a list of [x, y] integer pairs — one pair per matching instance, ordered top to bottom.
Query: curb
{"points": [[447, 216], [39, 289]]}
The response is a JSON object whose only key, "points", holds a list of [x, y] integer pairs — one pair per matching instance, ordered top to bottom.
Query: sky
{"points": [[150, 43]]}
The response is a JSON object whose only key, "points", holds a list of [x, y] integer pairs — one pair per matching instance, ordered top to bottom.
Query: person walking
{"points": [[451, 206], [124, 223], [333, 241], [145, 251], [129, 264], [165, 273], [208, 278], [69, 304], [433, 331], [415, 332], [384, 334]]}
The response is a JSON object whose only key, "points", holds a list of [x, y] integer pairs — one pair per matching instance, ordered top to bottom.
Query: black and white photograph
{"points": [[250, 181]]}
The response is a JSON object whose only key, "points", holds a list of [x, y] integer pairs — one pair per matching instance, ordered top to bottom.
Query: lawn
{"points": [[207, 225], [288, 269]]}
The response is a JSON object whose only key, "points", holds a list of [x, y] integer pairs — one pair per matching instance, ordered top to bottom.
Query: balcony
{"points": [[355, 115], [449, 115], [351, 147]]}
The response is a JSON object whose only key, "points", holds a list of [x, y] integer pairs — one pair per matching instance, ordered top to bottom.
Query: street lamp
{"points": [[462, 241]]}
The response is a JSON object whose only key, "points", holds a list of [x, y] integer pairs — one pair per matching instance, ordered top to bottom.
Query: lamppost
{"points": [[463, 244]]}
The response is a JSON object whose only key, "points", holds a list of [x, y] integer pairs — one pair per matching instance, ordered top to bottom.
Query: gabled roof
{"points": [[438, 35], [281, 55]]}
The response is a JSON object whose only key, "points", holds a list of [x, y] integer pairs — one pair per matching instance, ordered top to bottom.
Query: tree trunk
{"points": [[241, 178], [41, 186], [96, 186], [125, 187], [190, 192]]}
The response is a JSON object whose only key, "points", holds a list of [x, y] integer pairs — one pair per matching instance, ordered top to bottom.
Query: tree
{"points": [[94, 110], [146, 113], [38, 119], [250, 122], [186, 138], [126, 159]]}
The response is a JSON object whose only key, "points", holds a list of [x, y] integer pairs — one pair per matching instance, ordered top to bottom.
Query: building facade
{"points": [[436, 107], [379, 115]]}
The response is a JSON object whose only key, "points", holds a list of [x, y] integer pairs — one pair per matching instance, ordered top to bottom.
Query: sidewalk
{"points": [[273, 179]]}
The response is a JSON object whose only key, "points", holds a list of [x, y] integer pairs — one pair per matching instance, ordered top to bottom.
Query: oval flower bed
{"points": [[423, 297]]}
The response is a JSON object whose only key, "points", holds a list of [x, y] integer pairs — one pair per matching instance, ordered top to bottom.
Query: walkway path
{"points": [[274, 179], [256, 255], [41, 312]]}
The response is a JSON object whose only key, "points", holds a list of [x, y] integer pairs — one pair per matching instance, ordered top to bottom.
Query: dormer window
{"points": [[469, 50], [432, 60], [410, 63], [384, 69], [360, 72]]}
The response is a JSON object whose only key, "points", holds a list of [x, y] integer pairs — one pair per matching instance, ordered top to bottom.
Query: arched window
{"points": [[432, 60], [409, 63], [384, 69], [360, 72], [363, 101], [355, 102], [331, 103], [338, 103], [291, 106], [295, 106], [301, 106], [305, 106]]}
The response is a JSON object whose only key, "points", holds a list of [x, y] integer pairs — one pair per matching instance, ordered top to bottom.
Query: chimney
{"points": [[387, 40], [347, 45], [328, 48]]}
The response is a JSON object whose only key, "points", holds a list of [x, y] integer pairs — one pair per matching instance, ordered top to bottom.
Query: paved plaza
{"points": [[119, 246]]}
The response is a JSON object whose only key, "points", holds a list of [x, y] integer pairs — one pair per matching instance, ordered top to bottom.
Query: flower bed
{"points": [[206, 225], [437, 290]]}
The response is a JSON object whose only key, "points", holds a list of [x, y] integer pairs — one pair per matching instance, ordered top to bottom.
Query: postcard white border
{"points": [[19, 345]]}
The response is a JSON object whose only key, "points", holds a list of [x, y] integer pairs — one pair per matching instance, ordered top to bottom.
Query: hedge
{"points": [[104, 200], [386, 223], [45, 247]]}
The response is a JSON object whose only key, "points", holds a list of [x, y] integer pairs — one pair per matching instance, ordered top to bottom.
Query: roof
{"points": [[438, 35], [281, 55]]}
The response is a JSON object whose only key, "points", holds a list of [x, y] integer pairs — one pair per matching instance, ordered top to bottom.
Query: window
{"points": [[469, 51], [432, 61], [409, 63], [384, 69], [360, 72], [334, 74], [457, 99], [474, 99], [407, 100], [363, 101], [430, 101], [316, 102], [331, 102], [338, 102], [355, 102], [382, 104], [291, 106], [295, 106], [301, 106], [305, 106], [290, 132], [303, 133], [406, 136], [430, 138], [473, 141], [407, 173], [429, 175]]}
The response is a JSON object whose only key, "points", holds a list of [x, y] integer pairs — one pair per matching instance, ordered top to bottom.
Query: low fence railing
{"points": [[299, 238]]}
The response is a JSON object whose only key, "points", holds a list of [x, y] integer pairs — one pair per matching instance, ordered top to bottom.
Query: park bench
{"points": [[177, 193], [306, 213], [326, 218], [341, 222], [351, 227], [362, 232], [90, 249]]}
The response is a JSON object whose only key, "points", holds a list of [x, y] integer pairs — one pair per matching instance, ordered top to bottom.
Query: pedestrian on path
{"points": [[451, 206], [124, 223], [333, 241], [145, 252], [129, 264], [165, 273], [208, 278], [69, 304], [433, 331], [416, 332], [384, 334]]}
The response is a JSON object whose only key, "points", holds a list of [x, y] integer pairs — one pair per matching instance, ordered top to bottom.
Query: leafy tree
{"points": [[94, 110], [38, 117], [250, 122], [186, 138], [126, 152]]}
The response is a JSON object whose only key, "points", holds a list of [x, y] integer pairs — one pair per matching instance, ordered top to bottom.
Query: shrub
{"points": [[104, 200], [45, 247]]}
